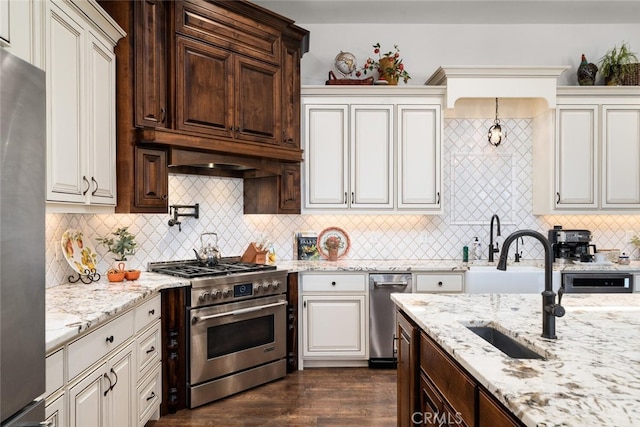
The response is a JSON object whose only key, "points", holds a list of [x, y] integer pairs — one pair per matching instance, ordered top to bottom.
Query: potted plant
{"points": [[616, 64], [388, 65], [121, 243]]}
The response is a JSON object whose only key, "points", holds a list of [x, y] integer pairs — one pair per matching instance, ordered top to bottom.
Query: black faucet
{"points": [[492, 249], [550, 310]]}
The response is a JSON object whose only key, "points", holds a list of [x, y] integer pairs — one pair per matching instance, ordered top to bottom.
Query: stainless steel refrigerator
{"points": [[22, 241]]}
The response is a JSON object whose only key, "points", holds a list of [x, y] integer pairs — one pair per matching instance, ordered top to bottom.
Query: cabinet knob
{"points": [[164, 197], [333, 283], [439, 283], [152, 312], [110, 339]]}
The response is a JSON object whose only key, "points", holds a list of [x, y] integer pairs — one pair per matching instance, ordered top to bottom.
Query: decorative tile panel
{"points": [[377, 237]]}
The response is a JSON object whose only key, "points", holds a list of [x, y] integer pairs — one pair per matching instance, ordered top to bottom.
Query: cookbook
{"points": [[305, 244]]}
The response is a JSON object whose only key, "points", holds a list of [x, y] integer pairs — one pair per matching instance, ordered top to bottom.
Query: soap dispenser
{"points": [[476, 249]]}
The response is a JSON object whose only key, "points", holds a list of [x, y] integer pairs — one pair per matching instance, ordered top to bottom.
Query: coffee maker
{"points": [[571, 245]]}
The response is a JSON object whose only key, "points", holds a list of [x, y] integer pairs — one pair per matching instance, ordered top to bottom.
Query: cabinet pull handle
{"points": [[163, 114], [84, 178], [93, 193], [164, 197], [353, 197], [345, 198], [438, 199], [558, 199], [304, 304], [152, 312], [110, 339], [151, 350], [115, 375], [110, 385], [151, 396]]}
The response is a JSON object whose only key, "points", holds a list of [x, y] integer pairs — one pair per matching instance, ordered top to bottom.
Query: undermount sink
{"points": [[517, 279], [504, 343]]}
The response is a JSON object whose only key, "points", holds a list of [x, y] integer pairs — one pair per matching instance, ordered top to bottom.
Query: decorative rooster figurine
{"points": [[586, 72]]}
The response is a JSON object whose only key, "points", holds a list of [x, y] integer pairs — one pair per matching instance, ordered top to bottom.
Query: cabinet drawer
{"points": [[439, 282], [334, 283], [147, 312], [95, 345], [149, 347], [54, 372], [450, 380], [149, 395]]}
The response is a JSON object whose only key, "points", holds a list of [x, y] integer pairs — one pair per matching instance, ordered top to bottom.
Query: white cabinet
{"points": [[21, 27], [80, 69], [370, 150], [350, 156], [589, 162], [439, 282], [334, 322], [110, 377], [105, 396]]}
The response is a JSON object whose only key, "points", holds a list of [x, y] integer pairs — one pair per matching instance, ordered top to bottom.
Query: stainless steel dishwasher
{"points": [[382, 316]]}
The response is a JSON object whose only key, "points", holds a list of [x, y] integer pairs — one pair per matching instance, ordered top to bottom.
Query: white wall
{"points": [[425, 47]]}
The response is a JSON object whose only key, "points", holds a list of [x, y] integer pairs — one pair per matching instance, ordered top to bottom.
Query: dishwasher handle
{"points": [[390, 284]]}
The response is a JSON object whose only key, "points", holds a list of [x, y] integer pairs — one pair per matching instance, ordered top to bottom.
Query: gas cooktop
{"points": [[191, 269]]}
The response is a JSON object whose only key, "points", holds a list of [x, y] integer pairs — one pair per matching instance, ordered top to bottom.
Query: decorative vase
{"points": [[385, 64], [586, 72], [333, 254]]}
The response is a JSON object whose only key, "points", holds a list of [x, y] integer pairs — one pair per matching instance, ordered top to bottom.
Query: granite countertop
{"points": [[73, 308], [591, 375]]}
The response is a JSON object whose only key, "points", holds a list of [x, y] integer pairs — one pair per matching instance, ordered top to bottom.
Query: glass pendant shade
{"points": [[496, 133]]}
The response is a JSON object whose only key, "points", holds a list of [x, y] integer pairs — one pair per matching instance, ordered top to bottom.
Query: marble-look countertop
{"points": [[353, 265], [74, 308], [591, 375]]}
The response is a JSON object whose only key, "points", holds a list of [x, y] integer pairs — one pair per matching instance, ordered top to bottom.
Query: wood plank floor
{"points": [[334, 397]]}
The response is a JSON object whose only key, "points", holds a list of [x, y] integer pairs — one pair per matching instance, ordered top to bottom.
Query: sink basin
{"points": [[518, 279], [504, 343]]}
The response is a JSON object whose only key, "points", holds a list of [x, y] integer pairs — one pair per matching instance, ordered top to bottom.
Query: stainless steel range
{"points": [[236, 326]]}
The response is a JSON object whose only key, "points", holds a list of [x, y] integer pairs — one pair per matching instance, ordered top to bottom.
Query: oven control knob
{"points": [[267, 285], [275, 285], [257, 288], [226, 293], [215, 294], [204, 296]]}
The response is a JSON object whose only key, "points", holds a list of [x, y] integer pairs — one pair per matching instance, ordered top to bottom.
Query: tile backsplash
{"points": [[478, 180]]}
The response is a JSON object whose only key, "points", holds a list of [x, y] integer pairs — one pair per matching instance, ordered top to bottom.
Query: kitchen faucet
{"points": [[493, 250], [550, 310]]}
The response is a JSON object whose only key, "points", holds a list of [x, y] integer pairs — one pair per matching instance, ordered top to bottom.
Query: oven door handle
{"points": [[197, 319]]}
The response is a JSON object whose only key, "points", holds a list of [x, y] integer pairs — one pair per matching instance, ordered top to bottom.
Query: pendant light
{"points": [[496, 132]]}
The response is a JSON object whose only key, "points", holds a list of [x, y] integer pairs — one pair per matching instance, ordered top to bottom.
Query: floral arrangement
{"points": [[388, 65], [635, 241], [333, 243], [122, 244]]}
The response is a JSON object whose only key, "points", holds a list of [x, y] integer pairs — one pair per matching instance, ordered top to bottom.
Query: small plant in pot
{"points": [[616, 63], [121, 243]]}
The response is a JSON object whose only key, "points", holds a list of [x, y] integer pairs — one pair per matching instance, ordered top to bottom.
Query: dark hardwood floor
{"points": [[334, 397]]}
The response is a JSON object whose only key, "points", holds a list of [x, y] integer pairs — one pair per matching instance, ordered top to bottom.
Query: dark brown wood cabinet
{"points": [[151, 44], [214, 77], [151, 178], [407, 335], [434, 390]]}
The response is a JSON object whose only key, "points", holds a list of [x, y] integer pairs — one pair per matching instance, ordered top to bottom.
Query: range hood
{"points": [[534, 82]]}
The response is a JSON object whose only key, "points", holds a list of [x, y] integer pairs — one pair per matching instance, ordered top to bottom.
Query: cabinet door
{"points": [[20, 29], [5, 37], [150, 64], [204, 88], [291, 96], [257, 101], [66, 109], [101, 122], [419, 136], [326, 148], [371, 156], [621, 156], [576, 167], [151, 178], [334, 326], [407, 379], [122, 395], [87, 400], [55, 412], [492, 414]]}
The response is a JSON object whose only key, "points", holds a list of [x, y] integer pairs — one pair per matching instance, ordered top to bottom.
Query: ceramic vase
{"points": [[386, 63]]}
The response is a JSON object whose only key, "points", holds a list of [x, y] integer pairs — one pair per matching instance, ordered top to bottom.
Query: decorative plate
{"points": [[345, 242], [78, 252]]}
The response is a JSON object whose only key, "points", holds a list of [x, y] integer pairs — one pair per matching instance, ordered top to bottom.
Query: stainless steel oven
{"points": [[597, 282], [236, 315]]}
